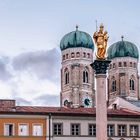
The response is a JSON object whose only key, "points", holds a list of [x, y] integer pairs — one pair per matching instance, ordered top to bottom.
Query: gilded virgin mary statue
{"points": [[100, 38]]}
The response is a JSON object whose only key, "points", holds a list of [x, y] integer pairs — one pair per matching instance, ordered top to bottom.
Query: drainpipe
{"points": [[49, 126]]}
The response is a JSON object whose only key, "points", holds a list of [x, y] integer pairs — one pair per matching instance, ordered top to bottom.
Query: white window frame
{"points": [[5, 129], [19, 129], [33, 129], [75, 130], [93, 130], [109, 130], [57, 131], [123, 132], [134, 133]]}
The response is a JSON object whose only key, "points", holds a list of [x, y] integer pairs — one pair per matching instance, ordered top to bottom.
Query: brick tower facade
{"points": [[123, 78], [77, 86]]}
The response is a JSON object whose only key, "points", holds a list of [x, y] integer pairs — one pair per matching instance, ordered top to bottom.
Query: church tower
{"points": [[77, 77], [123, 79]]}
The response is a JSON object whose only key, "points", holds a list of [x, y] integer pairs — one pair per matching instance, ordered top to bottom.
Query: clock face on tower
{"points": [[87, 102]]}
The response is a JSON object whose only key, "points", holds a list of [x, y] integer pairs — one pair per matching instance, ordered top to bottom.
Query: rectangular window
{"points": [[8, 129], [57, 129], [75, 129], [92, 129], [23, 130], [37, 130], [110, 130], [122, 130], [133, 130]]}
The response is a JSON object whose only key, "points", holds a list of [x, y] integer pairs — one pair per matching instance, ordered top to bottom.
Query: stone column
{"points": [[100, 67]]}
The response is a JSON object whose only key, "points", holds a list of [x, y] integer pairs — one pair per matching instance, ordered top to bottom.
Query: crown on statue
{"points": [[101, 25]]}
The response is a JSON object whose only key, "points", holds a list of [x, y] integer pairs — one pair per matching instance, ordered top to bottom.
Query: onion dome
{"points": [[76, 39], [123, 49]]}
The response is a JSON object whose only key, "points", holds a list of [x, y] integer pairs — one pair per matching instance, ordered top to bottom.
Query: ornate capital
{"points": [[100, 66]]}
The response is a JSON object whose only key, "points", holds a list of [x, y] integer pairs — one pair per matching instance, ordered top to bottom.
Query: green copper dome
{"points": [[76, 39], [123, 49]]}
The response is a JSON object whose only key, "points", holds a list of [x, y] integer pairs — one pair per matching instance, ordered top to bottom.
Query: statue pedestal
{"points": [[100, 68]]}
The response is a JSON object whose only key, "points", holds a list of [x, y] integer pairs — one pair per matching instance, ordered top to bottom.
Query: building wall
{"points": [[75, 61], [122, 74], [22, 119], [84, 123]]}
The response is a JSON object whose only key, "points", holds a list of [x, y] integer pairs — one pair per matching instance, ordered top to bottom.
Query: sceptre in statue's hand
{"points": [[100, 38]]}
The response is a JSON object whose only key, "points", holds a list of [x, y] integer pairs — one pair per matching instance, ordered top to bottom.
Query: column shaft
{"points": [[101, 107]]}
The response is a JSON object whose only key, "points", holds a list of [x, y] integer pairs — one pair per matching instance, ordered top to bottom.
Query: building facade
{"points": [[76, 117], [17, 123], [61, 123], [83, 126]]}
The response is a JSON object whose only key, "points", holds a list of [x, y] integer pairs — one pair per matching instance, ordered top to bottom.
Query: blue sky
{"points": [[30, 33]]}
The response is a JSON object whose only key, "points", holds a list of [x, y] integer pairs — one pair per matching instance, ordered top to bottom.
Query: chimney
{"points": [[7, 103], [114, 106]]}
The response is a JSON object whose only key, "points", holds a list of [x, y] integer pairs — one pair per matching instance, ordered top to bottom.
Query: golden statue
{"points": [[100, 37]]}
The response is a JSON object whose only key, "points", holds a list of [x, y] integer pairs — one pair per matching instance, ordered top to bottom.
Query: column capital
{"points": [[100, 66], [100, 76]]}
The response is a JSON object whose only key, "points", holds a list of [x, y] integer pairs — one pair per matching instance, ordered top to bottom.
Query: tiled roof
{"points": [[135, 102], [55, 109], [65, 111], [122, 111]]}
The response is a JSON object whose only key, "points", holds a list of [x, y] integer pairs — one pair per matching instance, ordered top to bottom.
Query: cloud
{"points": [[45, 64], [4, 72], [36, 73], [28, 76], [28, 86], [5, 90], [46, 99], [22, 101]]}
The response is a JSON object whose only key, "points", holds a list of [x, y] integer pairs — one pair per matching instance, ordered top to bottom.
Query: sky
{"points": [[30, 34]]}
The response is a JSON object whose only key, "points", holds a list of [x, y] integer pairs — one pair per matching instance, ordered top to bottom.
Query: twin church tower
{"points": [[77, 76]]}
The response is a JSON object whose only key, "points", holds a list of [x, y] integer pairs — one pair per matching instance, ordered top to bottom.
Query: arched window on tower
{"points": [[78, 54], [84, 54], [88, 55], [67, 56], [63, 57], [120, 64], [125, 64], [114, 65], [110, 66], [85, 76], [66, 77], [132, 84], [113, 85]]}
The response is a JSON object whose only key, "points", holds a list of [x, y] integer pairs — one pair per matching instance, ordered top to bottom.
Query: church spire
{"points": [[77, 27], [122, 37]]}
